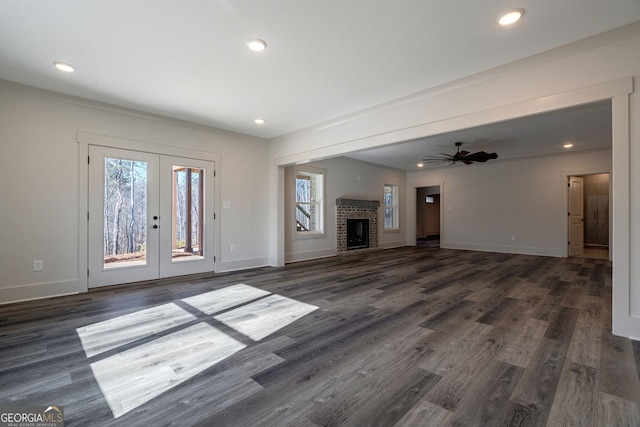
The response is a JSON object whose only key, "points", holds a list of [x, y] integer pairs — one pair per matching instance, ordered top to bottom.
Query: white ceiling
{"points": [[325, 59], [587, 127]]}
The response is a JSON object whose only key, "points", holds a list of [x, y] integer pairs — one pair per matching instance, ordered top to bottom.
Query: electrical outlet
{"points": [[232, 248], [38, 265]]}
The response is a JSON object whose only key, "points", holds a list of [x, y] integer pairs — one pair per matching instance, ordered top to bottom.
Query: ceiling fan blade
{"points": [[480, 156], [447, 158], [436, 160]]}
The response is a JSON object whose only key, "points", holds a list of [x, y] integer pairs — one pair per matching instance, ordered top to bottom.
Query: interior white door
{"points": [[124, 209], [150, 216], [576, 216]]}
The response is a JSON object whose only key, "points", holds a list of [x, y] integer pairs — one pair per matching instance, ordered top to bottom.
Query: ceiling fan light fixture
{"points": [[510, 17], [257, 45], [63, 66], [568, 145], [420, 164]]}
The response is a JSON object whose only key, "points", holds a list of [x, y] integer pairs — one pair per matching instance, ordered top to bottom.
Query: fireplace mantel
{"points": [[372, 204]]}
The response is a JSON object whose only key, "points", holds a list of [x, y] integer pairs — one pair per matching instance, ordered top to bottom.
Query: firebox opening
{"points": [[357, 233]]}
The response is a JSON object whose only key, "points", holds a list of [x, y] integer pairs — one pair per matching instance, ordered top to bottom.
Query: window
{"points": [[309, 200], [391, 215]]}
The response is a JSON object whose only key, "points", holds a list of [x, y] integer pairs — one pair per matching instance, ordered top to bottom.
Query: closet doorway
{"points": [[428, 216], [595, 224]]}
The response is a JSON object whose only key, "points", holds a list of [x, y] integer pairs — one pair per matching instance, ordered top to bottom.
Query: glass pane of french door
{"points": [[125, 212], [123, 216], [187, 216], [186, 245]]}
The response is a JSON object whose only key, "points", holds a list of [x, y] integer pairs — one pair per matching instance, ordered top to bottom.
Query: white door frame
{"points": [[84, 139], [565, 176], [411, 211], [441, 212], [576, 216]]}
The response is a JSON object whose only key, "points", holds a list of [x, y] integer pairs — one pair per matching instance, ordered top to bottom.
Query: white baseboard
{"points": [[393, 244], [508, 249], [309, 255], [244, 264], [38, 291]]}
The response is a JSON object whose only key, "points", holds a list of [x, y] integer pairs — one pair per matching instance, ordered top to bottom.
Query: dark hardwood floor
{"points": [[404, 337]]}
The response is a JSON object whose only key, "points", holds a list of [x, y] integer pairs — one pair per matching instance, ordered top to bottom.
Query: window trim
{"points": [[321, 197]]}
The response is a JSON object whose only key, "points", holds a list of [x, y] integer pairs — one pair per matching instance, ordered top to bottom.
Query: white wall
{"points": [[599, 68], [346, 178], [39, 185], [484, 205]]}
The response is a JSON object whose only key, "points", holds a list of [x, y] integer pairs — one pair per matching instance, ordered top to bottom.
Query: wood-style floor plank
{"points": [[417, 336], [522, 343], [586, 343], [618, 368], [539, 383], [577, 397], [486, 402], [615, 411]]}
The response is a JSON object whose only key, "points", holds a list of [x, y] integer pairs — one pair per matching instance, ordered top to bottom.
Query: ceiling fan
{"points": [[461, 156]]}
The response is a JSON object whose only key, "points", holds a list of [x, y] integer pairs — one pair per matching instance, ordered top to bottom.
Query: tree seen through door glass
{"points": [[125, 212], [187, 213]]}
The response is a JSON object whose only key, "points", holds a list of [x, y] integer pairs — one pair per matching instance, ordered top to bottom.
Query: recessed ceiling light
{"points": [[510, 17], [257, 45], [63, 66], [260, 121], [568, 145], [420, 164]]}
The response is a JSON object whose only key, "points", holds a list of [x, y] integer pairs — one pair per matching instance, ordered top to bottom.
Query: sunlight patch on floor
{"points": [[222, 299], [266, 316], [99, 337], [133, 377]]}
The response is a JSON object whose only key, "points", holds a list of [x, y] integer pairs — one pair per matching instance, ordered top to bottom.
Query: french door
{"points": [[150, 216]]}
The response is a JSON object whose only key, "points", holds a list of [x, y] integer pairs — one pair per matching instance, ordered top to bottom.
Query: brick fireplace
{"points": [[366, 211]]}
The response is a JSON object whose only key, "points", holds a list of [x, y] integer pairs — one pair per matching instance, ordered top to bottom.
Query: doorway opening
{"points": [[428, 216], [589, 225]]}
